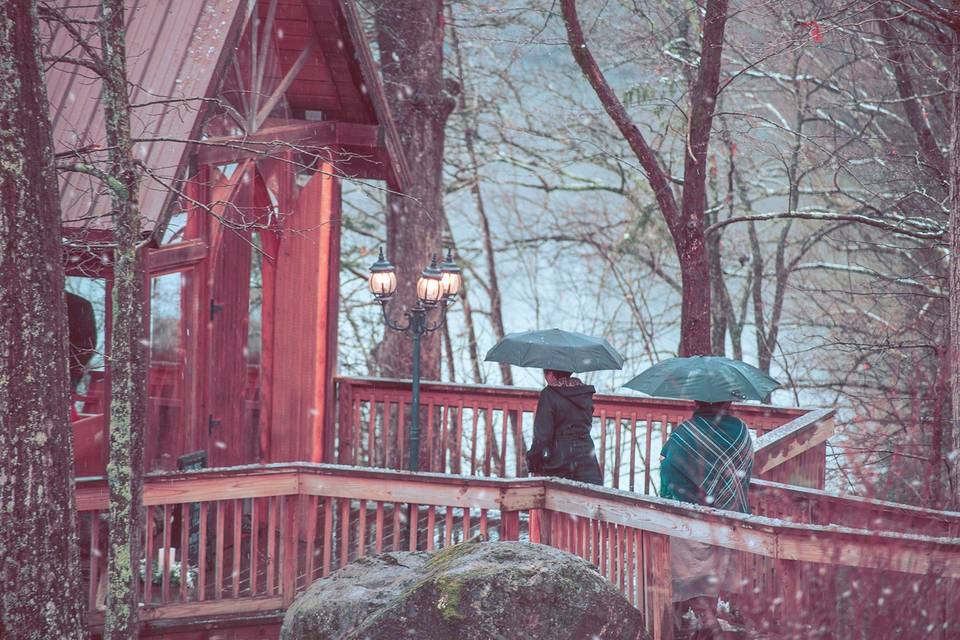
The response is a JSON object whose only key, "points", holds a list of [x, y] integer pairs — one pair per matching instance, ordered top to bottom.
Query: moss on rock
{"points": [[470, 591]]}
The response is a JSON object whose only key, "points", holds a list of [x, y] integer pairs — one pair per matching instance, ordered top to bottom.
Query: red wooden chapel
{"points": [[248, 116]]}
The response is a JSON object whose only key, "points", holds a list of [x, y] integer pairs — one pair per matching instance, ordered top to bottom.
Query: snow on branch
{"points": [[921, 228]]}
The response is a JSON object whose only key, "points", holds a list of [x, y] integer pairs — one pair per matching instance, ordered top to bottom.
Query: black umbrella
{"points": [[556, 349], [704, 378]]}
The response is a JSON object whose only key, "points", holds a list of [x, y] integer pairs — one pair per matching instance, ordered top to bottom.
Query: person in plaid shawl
{"points": [[707, 460]]}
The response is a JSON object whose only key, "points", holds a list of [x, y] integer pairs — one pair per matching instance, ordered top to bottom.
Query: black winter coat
{"points": [[562, 445]]}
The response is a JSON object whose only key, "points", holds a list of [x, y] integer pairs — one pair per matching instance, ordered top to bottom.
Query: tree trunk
{"points": [[410, 36], [954, 179], [686, 221], [688, 236], [127, 353], [40, 594]]}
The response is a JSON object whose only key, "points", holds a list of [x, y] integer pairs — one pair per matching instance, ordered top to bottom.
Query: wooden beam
{"points": [[288, 79], [306, 135], [175, 257]]}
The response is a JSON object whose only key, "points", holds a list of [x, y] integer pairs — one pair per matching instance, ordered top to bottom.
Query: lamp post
{"points": [[437, 287]]}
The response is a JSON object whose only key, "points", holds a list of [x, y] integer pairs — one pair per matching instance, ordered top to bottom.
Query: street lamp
{"points": [[437, 286]]}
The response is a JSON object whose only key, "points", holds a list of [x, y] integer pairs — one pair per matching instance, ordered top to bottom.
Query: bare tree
{"points": [[686, 220]]}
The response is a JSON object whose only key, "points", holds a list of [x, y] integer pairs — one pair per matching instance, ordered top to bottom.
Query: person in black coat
{"points": [[562, 445]]}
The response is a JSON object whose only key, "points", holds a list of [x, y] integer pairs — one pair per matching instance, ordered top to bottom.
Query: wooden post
{"points": [[305, 317], [344, 452], [510, 525], [544, 528], [288, 548], [658, 585]]}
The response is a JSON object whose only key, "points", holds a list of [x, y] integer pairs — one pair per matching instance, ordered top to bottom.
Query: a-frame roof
{"points": [[179, 55]]}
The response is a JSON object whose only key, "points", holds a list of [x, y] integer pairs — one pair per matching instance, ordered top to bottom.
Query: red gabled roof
{"points": [[179, 51]]}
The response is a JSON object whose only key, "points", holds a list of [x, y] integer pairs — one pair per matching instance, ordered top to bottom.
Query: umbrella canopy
{"points": [[556, 349], [704, 378]]}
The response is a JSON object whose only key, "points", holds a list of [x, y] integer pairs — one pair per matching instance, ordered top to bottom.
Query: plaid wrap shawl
{"points": [[708, 460]]}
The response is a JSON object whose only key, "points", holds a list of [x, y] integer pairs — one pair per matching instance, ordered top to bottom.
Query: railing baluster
{"points": [[444, 415], [505, 418], [385, 423], [401, 430], [371, 435], [473, 440], [489, 441], [518, 441], [356, 443], [603, 444], [617, 450], [633, 451], [457, 452], [426, 462], [648, 470], [466, 523], [413, 524], [483, 524], [431, 525], [509, 525], [448, 526], [396, 527], [362, 530], [344, 532], [327, 534], [379, 537], [271, 543], [254, 544], [237, 545], [604, 549], [184, 550], [202, 552], [310, 554], [148, 558], [218, 558], [94, 561], [165, 568]]}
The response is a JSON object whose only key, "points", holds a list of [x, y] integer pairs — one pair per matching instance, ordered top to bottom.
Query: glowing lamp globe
{"points": [[452, 277], [382, 279], [430, 285]]}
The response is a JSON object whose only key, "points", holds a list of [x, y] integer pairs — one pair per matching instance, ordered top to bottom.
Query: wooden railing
{"points": [[481, 430], [249, 538]]}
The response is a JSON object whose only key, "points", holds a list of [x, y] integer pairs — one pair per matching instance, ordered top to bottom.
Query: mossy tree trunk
{"points": [[127, 353], [40, 595]]}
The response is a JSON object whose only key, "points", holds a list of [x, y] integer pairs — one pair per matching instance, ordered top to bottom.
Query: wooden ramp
{"points": [[250, 538]]}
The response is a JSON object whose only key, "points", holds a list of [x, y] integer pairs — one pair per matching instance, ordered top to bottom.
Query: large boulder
{"points": [[470, 591]]}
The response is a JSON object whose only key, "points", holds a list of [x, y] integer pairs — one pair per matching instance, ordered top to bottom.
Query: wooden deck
{"points": [[255, 536], [252, 537]]}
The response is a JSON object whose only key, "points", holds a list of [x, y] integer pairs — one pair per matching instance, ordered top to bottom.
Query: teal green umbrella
{"points": [[556, 349], [704, 378]]}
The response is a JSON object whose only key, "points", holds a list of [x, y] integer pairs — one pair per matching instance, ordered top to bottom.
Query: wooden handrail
{"points": [[759, 414], [482, 430], [790, 440], [815, 506], [778, 539]]}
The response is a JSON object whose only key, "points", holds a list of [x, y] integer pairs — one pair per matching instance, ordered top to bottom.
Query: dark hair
{"points": [[558, 373], [712, 407]]}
